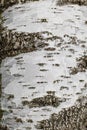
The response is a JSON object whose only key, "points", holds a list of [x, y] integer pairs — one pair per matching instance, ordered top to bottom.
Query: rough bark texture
{"points": [[79, 2], [73, 118]]}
